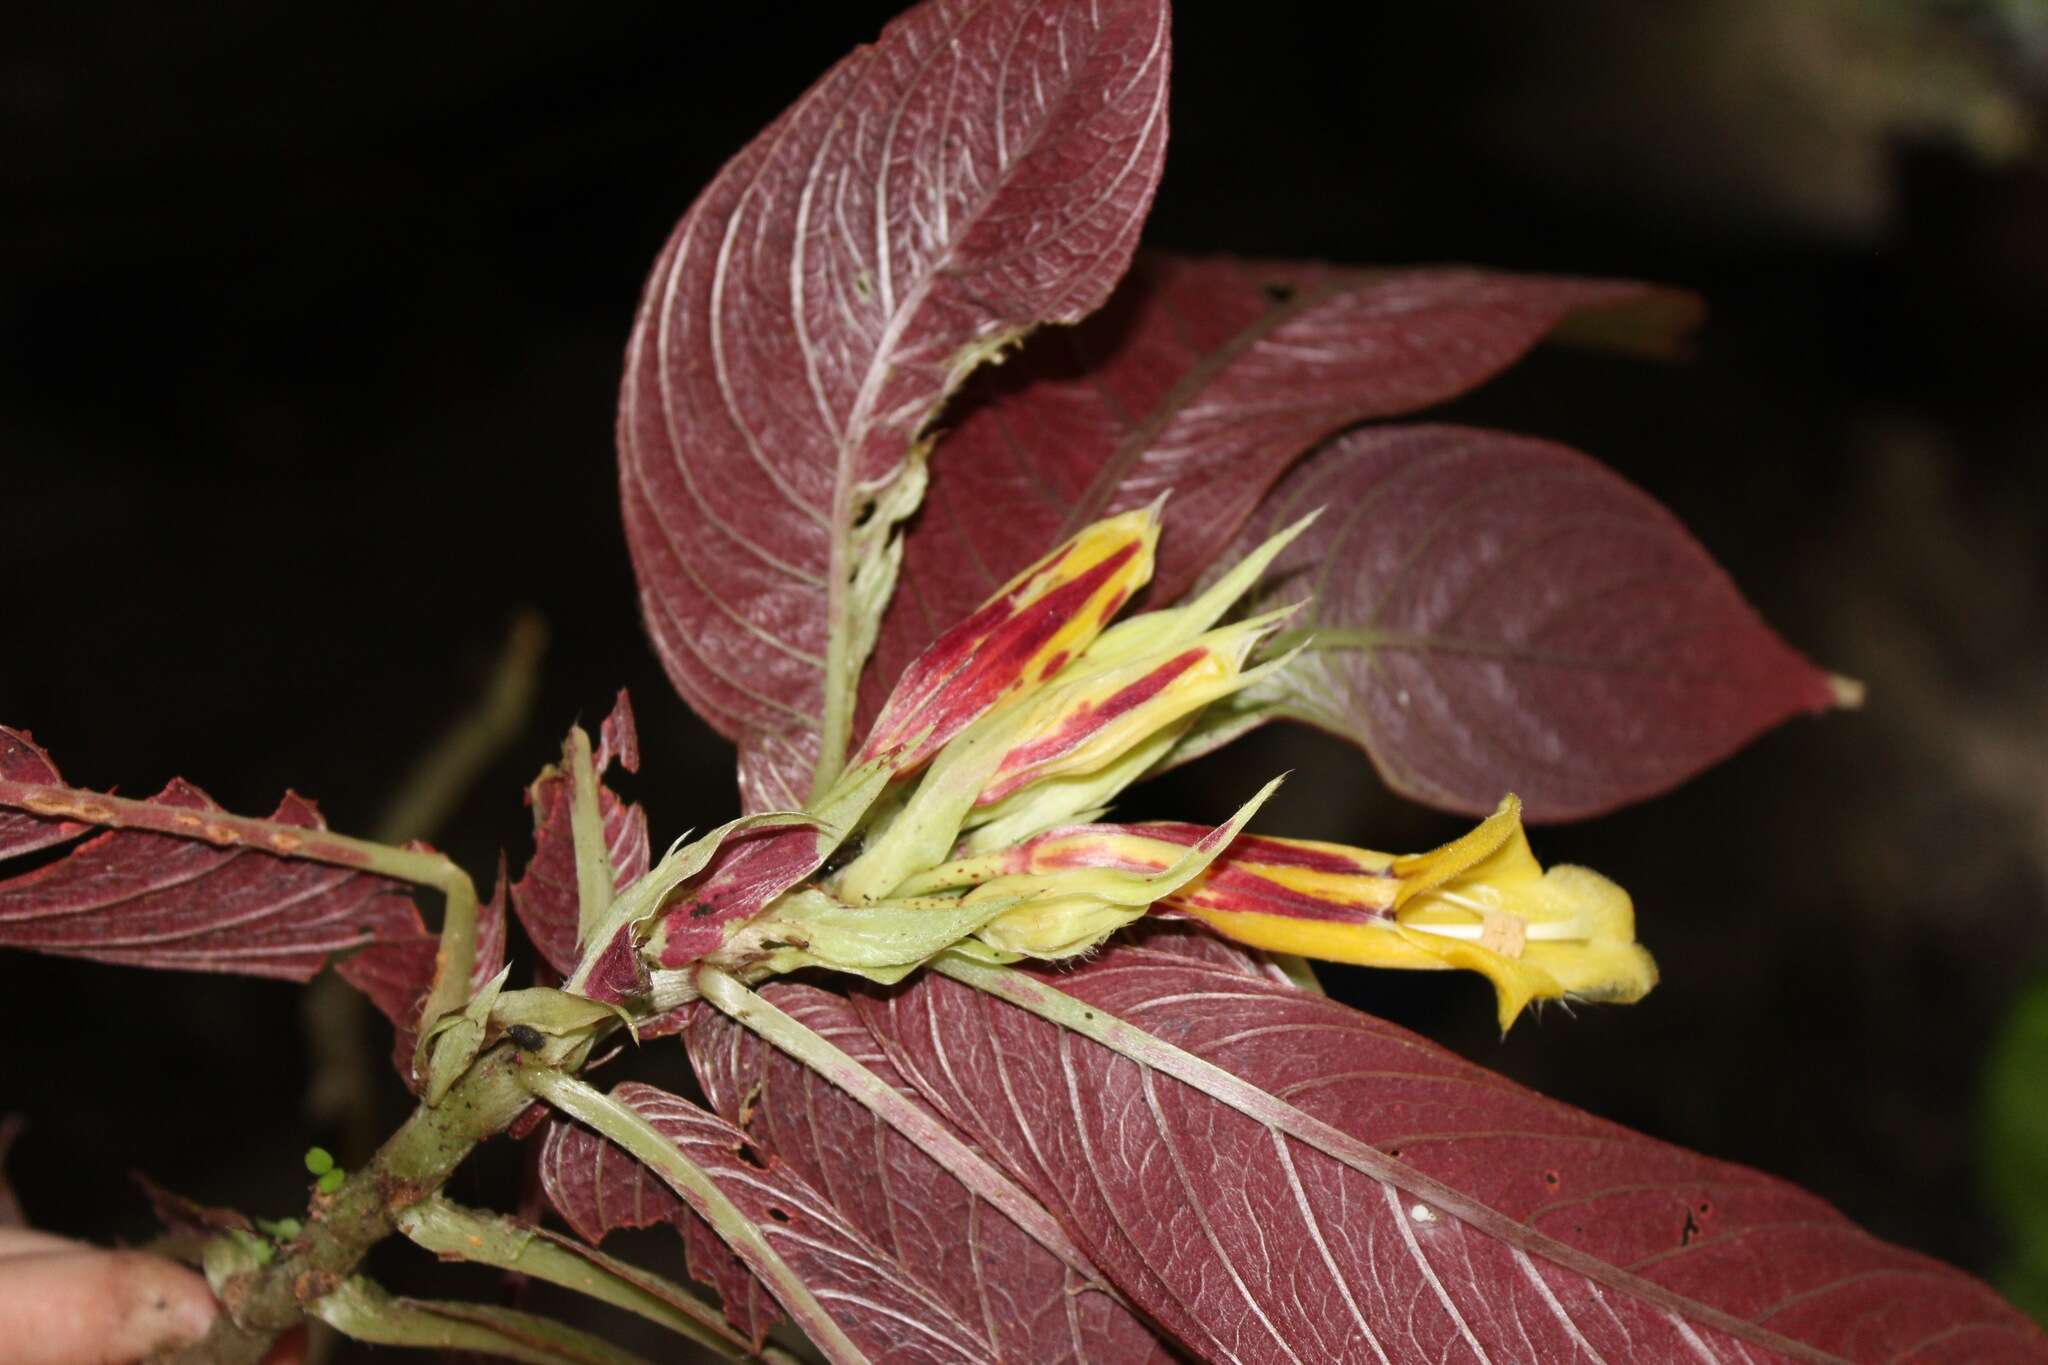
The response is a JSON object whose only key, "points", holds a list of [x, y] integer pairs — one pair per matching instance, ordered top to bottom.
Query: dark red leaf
{"points": [[979, 170], [1205, 378], [1495, 613], [618, 738], [22, 760], [749, 870], [545, 897], [147, 899], [396, 974], [598, 1188], [1542, 1233], [1023, 1301], [886, 1311]]}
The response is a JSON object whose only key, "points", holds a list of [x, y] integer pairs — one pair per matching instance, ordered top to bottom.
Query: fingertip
{"points": [[154, 1304], [84, 1307]]}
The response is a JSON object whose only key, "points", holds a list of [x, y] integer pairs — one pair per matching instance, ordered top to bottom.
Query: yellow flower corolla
{"points": [[1480, 903]]}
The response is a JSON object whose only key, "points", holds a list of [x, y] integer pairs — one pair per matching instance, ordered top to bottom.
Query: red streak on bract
{"points": [[970, 667], [1019, 765], [1257, 849], [1280, 853], [1230, 887]]}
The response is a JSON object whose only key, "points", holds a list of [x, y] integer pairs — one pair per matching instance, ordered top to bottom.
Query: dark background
{"points": [[311, 327]]}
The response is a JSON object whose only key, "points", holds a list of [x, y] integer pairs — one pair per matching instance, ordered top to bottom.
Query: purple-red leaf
{"points": [[979, 170], [1205, 378], [1495, 613], [23, 760], [749, 870], [545, 896], [203, 901], [397, 973], [598, 1188], [1502, 1225], [1025, 1303], [884, 1309]]}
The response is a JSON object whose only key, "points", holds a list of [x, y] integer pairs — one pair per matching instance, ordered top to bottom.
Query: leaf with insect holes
{"points": [[976, 172], [1205, 378], [1492, 613], [545, 896], [203, 902], [396, 974], [1468, 1218], [1024, 1301], [885, 1310]]}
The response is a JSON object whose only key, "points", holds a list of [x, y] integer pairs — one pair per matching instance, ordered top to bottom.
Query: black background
{"points": [[311, 327]]}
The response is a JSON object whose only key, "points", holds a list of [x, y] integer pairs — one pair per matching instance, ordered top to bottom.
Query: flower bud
{"points": [[1029, 630], [1083, 722]]}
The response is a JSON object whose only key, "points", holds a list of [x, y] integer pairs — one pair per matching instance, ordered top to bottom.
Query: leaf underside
{"points": [[978, 170], [1204, 378], [1495, 613], [206, 903], [1248, 1245], [1023, 1303], [884, 1309]]}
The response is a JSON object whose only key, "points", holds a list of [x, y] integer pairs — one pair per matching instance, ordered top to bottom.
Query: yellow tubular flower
{"points": [[1481, 903]]}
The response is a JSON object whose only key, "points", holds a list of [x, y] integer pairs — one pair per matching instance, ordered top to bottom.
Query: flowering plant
{"points": [[1041, 1085]]}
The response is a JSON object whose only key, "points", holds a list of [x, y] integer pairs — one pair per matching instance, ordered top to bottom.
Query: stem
{"points": [[586, 827], [418, 866], [1155, 1053], [344, 1083], [892, 1107], [631, 1130], [412, 1164], [451, 1231], [364, 1312]]}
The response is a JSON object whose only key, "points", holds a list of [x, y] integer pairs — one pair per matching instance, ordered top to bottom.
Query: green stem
{"points": [[586, 827], [892, 1107], [632, 1131], [449, 1230], [263, 1303], [361, 1310]]}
